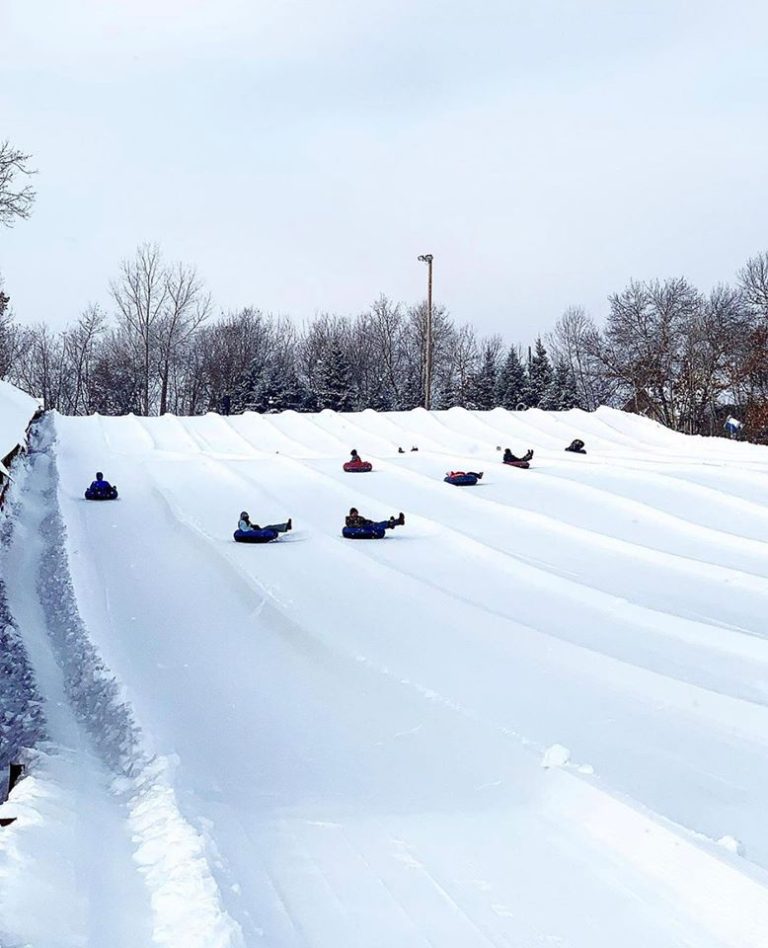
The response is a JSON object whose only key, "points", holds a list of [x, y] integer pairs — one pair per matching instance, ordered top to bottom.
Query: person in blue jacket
{"points": [[100, 486], [245, 524]]}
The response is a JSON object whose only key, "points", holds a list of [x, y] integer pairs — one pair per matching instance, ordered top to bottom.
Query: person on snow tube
{"points": [[576, 446], [510, 458], [356, 463], [477, 474], [100, 486], [101, 489], [354, 520], [245, 524]]}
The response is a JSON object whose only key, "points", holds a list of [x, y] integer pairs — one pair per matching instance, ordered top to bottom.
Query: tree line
{"points": [[665, 348], [162, 351]]}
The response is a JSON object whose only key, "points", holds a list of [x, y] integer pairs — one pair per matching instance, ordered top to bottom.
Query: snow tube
{"points": [[522, 464], [358, 467], [461, 480], [110, 494], [374, 532], [255, 536]]}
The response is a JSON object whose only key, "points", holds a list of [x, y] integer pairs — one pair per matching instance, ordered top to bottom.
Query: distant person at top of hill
{"points": [[576, 446], [511, 458], [100, 485], [354, 519], [245, 524]]}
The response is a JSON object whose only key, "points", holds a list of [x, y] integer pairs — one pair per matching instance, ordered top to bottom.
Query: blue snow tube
{"points": [[461, 480], [110, 494], [373, 532], [255, 536]]}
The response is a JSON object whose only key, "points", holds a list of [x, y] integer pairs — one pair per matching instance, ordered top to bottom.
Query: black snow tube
{"points": [[461, 480], [110, 494], [374, 532], [255, 536]]}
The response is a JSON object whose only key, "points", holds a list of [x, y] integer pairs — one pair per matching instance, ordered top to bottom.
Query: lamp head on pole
{"points": [[425, 257]]}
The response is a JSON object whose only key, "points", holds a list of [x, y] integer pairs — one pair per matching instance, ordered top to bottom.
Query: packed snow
{"points": [[534, 715]]}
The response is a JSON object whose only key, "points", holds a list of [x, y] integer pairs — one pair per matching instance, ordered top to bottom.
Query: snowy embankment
{"points": [[525, 718]]}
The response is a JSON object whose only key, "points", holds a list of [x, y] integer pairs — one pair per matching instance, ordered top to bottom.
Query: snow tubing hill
{"points": [[522, 464], [358, 467], [461, 480], [110, 494], [374, 532], [255, 536]]}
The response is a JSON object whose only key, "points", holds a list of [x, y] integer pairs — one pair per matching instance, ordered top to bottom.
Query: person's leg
{"points": [[279, 527]]}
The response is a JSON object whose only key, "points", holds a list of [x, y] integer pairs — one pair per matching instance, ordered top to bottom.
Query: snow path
{"points": [[351, 734], [99, 854], [94, 896]]}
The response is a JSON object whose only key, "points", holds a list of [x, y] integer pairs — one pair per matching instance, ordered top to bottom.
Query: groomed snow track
{"points": [[317, 743]]}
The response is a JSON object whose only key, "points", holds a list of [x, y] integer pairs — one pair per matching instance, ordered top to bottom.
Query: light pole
{"points": [[428, 258]]}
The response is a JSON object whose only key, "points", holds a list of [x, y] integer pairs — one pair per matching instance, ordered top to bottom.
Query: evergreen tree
{"points": [[540, 376], [511, 382], [567, 384], [334, 388], [561, 392], [482, 395]]}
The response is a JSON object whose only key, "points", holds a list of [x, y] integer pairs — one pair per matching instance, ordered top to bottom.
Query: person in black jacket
{"points": [[576, 446], [508, 456], [354, 519]]}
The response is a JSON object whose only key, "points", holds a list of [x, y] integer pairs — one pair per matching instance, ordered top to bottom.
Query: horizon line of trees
{"points": [[666, 349], [161, 351]]}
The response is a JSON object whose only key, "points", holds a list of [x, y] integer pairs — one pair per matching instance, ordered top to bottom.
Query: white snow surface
{"points": [[16, 409], [535, 715]]}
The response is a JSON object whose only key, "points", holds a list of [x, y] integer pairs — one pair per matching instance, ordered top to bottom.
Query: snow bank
{"points": [[16, 411]]}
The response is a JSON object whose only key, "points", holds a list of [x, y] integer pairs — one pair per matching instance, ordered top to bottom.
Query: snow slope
{"points": [[16, 410], [524, 719]]}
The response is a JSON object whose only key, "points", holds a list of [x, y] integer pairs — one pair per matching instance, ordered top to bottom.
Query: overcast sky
{"points": [[302, 154]]}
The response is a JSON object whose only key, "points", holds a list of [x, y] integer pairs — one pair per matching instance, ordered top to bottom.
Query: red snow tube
{"points": [[523, 464], [358, 467]]}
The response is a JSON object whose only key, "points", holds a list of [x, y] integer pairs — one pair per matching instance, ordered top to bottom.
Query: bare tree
{"points": [[15, 202], [753, 279], [141, 293], [186, 306], [380, 332], [12, 338], [572, 343], [641, 346], [79, 350], [225, 351], [39, 369], [459, 369]]}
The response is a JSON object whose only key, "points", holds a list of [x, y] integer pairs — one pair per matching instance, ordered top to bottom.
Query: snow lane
{"points": [[354, 724], [144, 873], [96, 894]]}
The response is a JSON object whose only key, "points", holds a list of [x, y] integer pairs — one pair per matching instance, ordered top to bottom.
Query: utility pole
{"points": [[428, 258]]}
